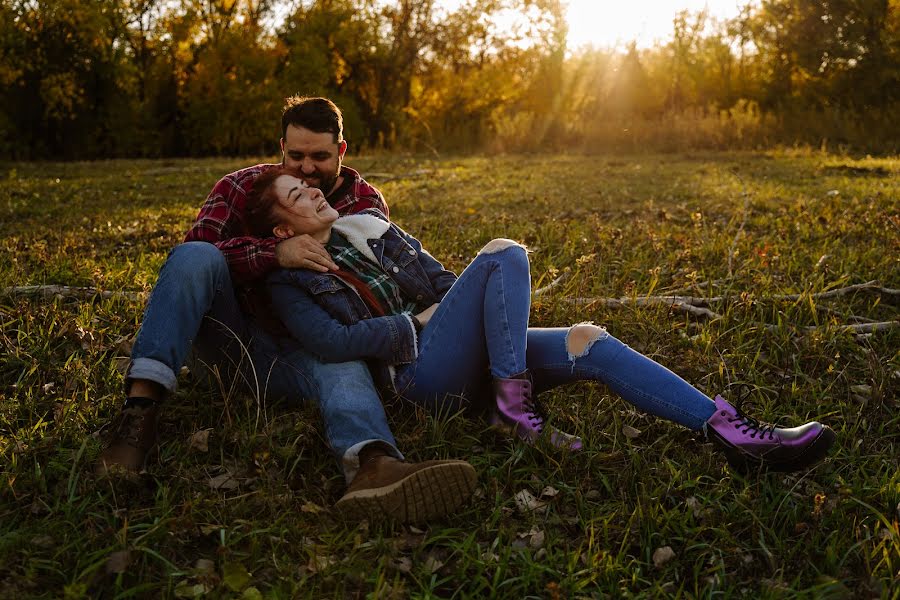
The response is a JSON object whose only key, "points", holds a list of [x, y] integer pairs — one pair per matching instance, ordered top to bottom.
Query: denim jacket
{"points": [[329, 318]]}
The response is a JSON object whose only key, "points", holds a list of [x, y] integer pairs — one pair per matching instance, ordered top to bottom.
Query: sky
{"points": [[609, 23], [615, 23]]}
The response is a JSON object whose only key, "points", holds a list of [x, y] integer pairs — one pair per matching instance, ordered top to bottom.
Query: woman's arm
{"points": [[441, 279], [390, 338]]}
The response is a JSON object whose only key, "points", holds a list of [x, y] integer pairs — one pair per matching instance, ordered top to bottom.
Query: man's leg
{"points": [[193, 283], [381, 484]]}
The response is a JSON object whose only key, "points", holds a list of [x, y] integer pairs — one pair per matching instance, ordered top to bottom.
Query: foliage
{"points": [[88, 78], [237, 502]]}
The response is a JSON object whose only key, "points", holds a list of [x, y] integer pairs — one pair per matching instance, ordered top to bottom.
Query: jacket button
{"points": [[412, 252], [396, 269], [419, 297]]}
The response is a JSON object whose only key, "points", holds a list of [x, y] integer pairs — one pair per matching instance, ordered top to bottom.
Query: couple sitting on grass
{"points": [[358, 303]]}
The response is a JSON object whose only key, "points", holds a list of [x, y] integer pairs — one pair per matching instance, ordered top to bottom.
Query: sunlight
{"points": [[611, 23]]}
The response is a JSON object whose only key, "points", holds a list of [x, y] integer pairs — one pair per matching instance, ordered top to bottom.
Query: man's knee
{"points": [[498, 245], [196, 259], [581, 337]]}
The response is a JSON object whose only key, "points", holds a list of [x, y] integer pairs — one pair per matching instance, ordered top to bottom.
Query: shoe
{"points": [[518, 411], [129, 439], [749, 444], [407, 492]]}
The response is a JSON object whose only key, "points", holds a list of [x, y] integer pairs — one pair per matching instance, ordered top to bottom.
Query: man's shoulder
{"points": [[243, 178], [354, 182]]}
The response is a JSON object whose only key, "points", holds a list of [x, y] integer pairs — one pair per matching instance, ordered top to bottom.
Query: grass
{"points": [[621, 225]]}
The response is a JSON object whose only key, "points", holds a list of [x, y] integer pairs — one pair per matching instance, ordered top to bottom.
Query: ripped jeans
{"points": [[480, 331]]}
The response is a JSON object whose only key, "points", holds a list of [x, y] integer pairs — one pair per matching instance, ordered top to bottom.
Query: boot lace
{"points": [[535, 412], [751, 425], [128, 427]]}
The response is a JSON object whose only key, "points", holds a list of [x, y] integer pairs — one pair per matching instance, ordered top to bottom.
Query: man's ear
{"points": [[281, 145], [342, 148], [283, 231]]}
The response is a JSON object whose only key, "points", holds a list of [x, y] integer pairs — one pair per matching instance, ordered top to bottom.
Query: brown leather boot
{"points": [[129, 439], [386, 487]]}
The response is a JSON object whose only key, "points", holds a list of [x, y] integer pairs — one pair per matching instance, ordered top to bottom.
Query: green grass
{"points": [[622, 225]]}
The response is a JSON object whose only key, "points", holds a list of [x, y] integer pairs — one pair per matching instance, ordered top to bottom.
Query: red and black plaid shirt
{"points": [[250, 259]]}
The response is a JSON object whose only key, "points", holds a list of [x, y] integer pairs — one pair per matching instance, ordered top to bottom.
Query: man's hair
{"points": [[320, 115], [259, 213]]}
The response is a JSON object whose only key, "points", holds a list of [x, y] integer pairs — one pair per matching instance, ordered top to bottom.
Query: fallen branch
{"points": [[543, 290], [66, 291], [675, 302], [859, 328]]}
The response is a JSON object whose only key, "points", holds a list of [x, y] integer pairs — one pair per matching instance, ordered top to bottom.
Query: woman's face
{"points": [[300, 209]]}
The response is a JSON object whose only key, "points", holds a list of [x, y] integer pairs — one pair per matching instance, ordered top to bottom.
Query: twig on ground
{"points": [[544, 289], [65, 291], [678, 303]]}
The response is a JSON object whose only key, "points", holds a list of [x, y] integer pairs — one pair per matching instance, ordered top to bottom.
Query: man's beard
{"points": [[323, 181]]}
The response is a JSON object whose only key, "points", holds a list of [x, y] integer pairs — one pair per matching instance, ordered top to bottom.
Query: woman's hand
{"points": [[304, 252], [425, 316]]}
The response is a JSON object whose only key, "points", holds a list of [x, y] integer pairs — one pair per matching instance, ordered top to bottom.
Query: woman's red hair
{"points": [[261, 220]]}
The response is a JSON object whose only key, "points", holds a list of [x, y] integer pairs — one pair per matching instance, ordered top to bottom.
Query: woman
{"points": [[447, 342]]}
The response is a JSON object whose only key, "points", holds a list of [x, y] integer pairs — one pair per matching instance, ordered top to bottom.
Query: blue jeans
{"points": [[193, 307], [480, 331]]}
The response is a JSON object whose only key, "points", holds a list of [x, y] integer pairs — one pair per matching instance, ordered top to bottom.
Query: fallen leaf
{"points": [[122, 364], [48, 387], [863, 390], [630, 432], [200, 440], [225, 481], [549, 492], [593, 495], [525, 501], [694, 504], [311, 508], [414, 529], [537, 540], [540, 554], [663, 555], [118, 561], [320, 562], [433, 564], [205, 565], [404, 565], [235, 576], [185, 589], [251, 593]]}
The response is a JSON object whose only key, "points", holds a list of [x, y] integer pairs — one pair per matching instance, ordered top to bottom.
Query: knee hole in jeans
{"points": [[498, 245], [581, 337]]}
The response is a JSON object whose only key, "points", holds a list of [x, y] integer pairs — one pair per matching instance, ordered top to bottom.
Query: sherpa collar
{"points": [[359, 229]]}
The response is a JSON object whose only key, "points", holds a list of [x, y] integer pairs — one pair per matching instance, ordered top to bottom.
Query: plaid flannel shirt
{"points": [[221, 220], [250, 259]]}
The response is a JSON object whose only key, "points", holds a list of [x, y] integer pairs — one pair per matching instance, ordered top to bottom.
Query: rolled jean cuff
{"points": [[151, 370], [350, 460]]}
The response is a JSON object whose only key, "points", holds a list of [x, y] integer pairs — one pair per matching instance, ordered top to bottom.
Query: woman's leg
{"points": [[477, 332], [586, 352]]}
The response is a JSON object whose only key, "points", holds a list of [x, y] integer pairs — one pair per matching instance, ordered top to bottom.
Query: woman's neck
{"points": [[322, 236]]}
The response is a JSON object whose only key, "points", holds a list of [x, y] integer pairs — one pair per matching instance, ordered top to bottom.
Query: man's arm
{"points": [[220, 222]]}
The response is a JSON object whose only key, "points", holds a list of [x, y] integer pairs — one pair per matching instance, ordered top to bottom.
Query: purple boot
{"points": [[517, 412], [750, 444]]}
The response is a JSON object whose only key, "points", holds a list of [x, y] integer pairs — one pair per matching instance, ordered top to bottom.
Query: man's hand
{"points": [[304, 252], [425, 316]]}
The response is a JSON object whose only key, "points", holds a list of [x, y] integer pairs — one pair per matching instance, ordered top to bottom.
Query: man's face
{"points": [[315, 157]]}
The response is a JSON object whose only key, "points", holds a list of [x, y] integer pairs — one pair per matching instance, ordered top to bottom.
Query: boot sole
{"points": [[814, 453], [430, 493]]}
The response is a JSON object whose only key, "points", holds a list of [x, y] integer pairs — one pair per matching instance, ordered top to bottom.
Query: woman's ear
{"points": [[283, 231]]}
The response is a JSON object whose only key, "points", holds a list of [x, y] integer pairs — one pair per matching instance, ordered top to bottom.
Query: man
{"points": [[209, 299]]}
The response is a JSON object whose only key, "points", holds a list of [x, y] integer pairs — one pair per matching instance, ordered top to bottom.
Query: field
{"points": [[749, 228]]}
